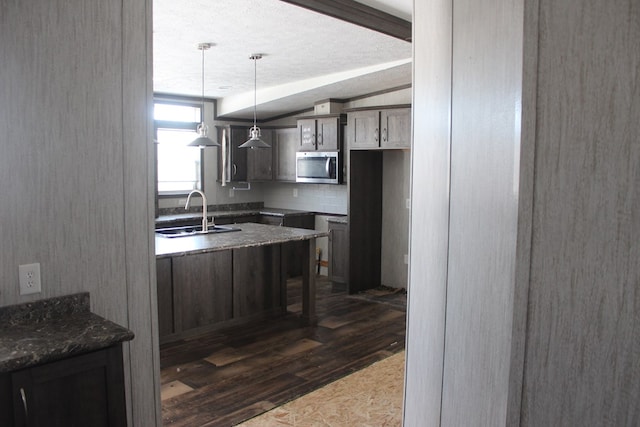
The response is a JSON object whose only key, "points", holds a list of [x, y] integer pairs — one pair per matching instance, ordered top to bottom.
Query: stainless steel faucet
{"points": [[205, 223]]}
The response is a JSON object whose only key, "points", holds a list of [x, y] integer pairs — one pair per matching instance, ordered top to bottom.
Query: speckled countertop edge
{"points": [[167, 219], [338, 219], [250, 235], [52, 329]]}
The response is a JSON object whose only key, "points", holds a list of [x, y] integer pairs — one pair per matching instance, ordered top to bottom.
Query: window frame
{"points": [[168, 124]]}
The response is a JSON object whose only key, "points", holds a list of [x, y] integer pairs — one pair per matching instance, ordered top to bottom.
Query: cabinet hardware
{"points": [[24, 402]]}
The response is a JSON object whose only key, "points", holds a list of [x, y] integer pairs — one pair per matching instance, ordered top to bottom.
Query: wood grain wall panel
{"points": [[61, 113], [485, 150], [74, 167], [525, 210], [139, 211], [429, 212], [583, 344]]}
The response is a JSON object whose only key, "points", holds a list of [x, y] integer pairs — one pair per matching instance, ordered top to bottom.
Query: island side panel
{"points": [[256, 281], [202, 289]]}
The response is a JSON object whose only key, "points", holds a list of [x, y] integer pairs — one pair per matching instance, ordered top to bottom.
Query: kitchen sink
{"points": [[193, 230]]}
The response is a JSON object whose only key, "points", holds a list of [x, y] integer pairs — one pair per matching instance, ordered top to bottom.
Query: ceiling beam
{"points": [[359, 14]]}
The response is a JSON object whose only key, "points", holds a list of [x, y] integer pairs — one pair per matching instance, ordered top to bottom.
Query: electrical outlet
{"points": [[295, 192], [231, 193], [182, 202], [408, 203], [406, 258], [29, 278]]}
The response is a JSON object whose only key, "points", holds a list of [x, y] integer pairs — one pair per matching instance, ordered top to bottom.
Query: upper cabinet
{"points": [[379, 128], [320, 133], [284, 154], [244, 164]]}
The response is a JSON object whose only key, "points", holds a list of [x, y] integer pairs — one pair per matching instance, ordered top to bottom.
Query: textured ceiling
{"points": [[307, 56]]}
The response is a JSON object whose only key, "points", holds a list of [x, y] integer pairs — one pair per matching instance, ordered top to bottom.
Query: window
{"points": [[178, 167]]}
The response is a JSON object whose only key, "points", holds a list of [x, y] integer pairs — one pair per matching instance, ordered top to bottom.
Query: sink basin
{"points": [[193, 230]]}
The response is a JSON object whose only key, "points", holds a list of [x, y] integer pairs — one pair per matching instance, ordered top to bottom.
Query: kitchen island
{"points": [[209, 281]]}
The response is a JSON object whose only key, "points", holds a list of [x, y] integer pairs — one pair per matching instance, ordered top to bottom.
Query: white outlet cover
{"points": [[29, 278]]}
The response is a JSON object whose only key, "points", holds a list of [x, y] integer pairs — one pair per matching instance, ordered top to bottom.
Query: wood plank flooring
{"points": [[225, 377]]}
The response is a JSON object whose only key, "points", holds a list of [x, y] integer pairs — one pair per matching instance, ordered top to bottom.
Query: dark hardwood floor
{"points": [[225, 377]]}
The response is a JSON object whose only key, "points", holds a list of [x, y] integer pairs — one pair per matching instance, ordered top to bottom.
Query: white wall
{"points": [[396, 166], [75, 169]]}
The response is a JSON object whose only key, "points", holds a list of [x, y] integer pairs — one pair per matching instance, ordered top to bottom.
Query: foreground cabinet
{"points": [[85, 390]]}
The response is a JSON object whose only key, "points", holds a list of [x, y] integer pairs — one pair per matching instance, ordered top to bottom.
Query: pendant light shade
{"points": [[203, 140], [254, 141]]}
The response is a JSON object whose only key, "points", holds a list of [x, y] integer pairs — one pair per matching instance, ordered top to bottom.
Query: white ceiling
{"points": [[307, 56]]}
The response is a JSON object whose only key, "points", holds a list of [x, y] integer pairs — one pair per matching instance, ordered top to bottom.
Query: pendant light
{"points": [[203, 140], [255, 141]]}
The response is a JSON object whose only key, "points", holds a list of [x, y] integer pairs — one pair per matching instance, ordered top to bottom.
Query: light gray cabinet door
{"points": [[395, 128], [363, 129], [328, 134], [307, 135]]}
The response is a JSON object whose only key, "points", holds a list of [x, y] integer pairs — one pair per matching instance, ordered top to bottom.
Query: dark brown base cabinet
{"points": [[293, 250], [338, 253], [206, 291], [84, 390]]}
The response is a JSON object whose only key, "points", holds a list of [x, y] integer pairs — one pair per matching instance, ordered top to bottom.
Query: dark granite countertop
{"points": [[177, 217], [250, 234], [53, 329]]}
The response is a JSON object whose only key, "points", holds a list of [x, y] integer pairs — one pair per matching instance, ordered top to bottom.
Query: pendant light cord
{"points": [[255, 88], [202, 114]]}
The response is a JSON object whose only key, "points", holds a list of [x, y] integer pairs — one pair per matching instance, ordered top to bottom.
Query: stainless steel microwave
{"points": [[320, 167]]}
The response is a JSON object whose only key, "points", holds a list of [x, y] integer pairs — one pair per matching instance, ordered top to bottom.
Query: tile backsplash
{"points": [[325, 198]]}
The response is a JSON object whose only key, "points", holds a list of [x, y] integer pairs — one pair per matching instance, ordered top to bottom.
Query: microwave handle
{"points": [[328, 166]]}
